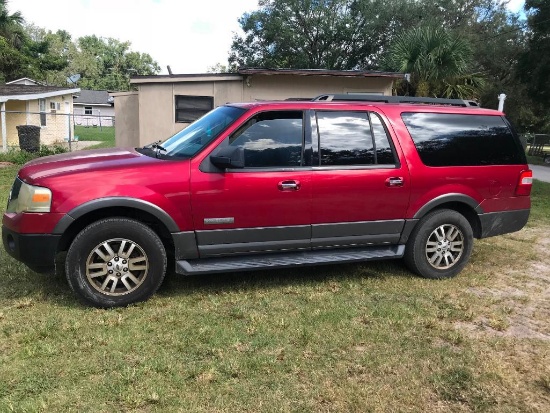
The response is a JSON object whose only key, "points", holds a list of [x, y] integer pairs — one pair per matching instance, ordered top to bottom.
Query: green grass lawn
{"points": [[104, 134], [348, 338]]}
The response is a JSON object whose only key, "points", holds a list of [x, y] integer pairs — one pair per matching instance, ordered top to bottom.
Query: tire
{"points": [[440, 245], [115, 262]]}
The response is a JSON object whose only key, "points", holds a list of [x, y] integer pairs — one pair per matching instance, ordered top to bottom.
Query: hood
{"points": [[82, 161]]}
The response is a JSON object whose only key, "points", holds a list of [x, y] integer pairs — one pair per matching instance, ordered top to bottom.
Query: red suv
{"points": [[275, 184]]}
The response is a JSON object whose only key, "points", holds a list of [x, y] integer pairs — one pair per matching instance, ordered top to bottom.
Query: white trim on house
{"points": [[25, 81], [39, 95]]}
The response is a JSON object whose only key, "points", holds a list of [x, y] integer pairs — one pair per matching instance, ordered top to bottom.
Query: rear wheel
{"points": [[440, 245], [115, 262]]}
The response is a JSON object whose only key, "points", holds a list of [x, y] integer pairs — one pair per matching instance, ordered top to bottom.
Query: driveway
{"points": [[542, 173]]}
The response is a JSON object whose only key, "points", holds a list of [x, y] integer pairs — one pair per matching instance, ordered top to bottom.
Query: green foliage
{"points": [[10, 25], [328, 34], [343, 34], [30, 51], [21, 55], [437, 60], [103, 63], [534, 63], [21, 157]]}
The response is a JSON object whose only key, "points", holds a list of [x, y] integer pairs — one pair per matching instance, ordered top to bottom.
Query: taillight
{"points": [[525, 183]]}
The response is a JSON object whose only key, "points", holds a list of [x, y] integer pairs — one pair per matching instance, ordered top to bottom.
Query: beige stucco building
{"points": [[26, 102], [163, 105]]}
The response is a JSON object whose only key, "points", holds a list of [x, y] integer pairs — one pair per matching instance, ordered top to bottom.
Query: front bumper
{"points": [[37, 251]]}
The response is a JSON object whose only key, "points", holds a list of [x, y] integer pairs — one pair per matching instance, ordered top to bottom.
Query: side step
{"points": [[287, 259]]}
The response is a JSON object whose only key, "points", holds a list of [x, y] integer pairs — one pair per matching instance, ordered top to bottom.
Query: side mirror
{"points": [[229, 157]]}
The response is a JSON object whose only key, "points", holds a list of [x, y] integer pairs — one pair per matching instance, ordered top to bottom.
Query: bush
{"points": [[20, 157]]}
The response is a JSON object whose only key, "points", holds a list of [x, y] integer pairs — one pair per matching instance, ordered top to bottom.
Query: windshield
{"points": [[197, 135]]}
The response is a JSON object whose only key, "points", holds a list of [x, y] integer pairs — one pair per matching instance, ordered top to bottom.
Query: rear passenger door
{"points": [[360, 188]]}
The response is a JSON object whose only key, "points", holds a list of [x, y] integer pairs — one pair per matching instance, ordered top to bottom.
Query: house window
{"points": [[54, 107], [190, 108], [42, 109], [87, 110]]}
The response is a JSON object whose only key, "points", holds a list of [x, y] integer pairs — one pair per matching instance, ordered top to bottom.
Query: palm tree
{"points": [[11, 25], [437, 61]]}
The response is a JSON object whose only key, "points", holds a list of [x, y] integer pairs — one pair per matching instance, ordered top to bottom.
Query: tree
{"points": [[11, 25], [329, 34], [343, 34], [437, 60], [108, 63], [104, 64], [534, 65]]}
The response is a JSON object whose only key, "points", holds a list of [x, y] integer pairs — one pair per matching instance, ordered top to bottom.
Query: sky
{"points": [[190, 36]]}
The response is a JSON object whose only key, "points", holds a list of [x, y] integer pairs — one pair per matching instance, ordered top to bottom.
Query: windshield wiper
{"points": [[156, 146]]}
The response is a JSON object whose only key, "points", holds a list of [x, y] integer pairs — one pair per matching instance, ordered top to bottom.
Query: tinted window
{"points": [[345, 138], [351, 138], [271, 139], [463, 140], [384, 151]]}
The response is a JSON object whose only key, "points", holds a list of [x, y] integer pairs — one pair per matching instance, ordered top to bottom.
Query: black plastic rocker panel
{"points": [[289, 259]]}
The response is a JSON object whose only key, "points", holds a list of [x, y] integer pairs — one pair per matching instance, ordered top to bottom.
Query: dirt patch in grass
{"points": [[5, 164], [522, 293]]}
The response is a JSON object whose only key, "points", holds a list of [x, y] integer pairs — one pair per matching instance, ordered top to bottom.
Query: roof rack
{"points": [[394, 99]]}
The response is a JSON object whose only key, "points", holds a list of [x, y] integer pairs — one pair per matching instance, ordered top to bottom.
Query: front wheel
{"points": [[440, 245], [115, 262]]}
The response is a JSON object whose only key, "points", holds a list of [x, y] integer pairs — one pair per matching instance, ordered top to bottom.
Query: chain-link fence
{"points": [[68, 129]]}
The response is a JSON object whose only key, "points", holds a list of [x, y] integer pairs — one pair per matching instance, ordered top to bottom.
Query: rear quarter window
{"points": [[443, 139]]}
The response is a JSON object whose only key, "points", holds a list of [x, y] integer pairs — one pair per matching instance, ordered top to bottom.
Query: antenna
{"points": [[73, 78]]}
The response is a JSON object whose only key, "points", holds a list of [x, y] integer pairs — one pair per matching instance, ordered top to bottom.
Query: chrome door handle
{"points": [[394, 181], [289, 185]]}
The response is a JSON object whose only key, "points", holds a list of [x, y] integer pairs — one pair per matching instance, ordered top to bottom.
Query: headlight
{"points": [[29, 198]]}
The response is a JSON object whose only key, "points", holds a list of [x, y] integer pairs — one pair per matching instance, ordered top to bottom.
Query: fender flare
{"points": [[444, 199], [111, 202]]}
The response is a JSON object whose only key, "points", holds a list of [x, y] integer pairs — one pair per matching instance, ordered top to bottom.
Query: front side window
{"points": [[191, 108], [88, 110], [349, 138], [444, 139], [271, 140]]}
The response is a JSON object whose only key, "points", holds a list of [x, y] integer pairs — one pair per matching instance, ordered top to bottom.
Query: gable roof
{"points": [[25, 81], [31, 92], [93, 97]]}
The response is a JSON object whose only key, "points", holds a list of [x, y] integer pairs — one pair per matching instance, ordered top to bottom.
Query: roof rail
{"points": [[394, 99]]}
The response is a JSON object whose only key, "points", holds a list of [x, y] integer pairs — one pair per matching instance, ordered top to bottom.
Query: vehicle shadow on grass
{"points": [[20, 284], [25, 284], [176, 285]]}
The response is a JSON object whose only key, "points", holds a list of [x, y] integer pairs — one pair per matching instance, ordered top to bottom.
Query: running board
{"points": [[288, 259]]}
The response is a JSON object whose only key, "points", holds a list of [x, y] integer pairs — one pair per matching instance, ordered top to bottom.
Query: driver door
{"points": [[263, 207]]}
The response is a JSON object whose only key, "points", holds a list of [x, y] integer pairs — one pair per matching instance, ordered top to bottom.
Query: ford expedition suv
{"points": [[271, 185]]}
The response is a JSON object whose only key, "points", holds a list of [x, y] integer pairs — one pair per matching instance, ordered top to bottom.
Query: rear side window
{"points": [[347, 138], [443, 139]]}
